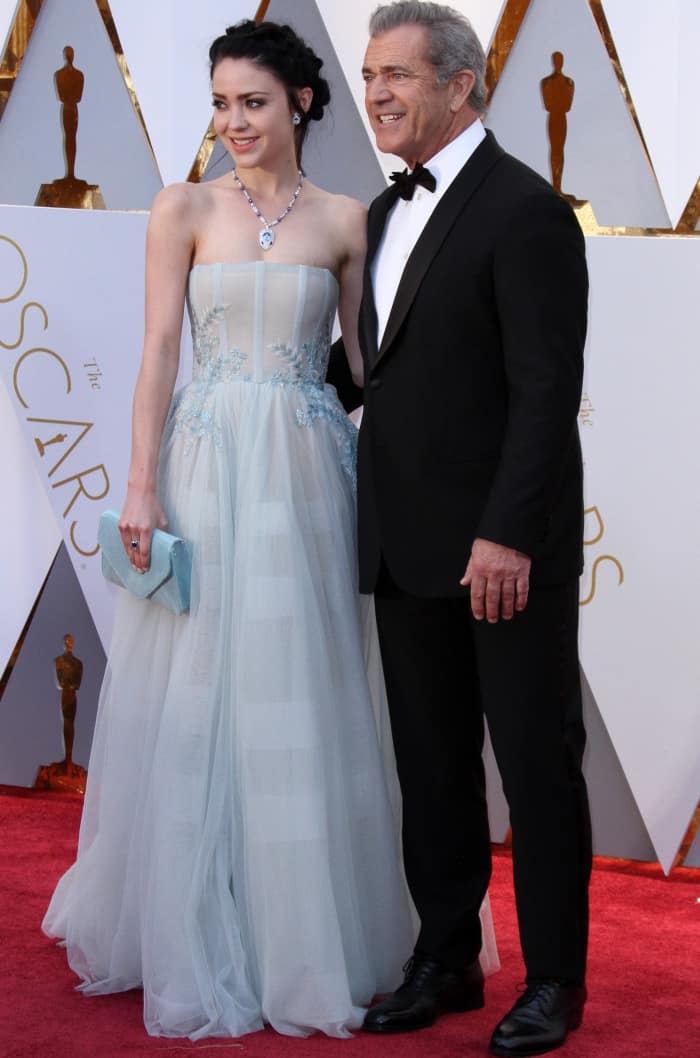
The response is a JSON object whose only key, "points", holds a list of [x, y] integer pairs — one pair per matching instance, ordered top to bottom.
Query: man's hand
{"points": [[499, 578]]}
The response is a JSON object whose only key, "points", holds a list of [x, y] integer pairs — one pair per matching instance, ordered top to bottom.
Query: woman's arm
{"points": [[355, 227], [169, 247]]}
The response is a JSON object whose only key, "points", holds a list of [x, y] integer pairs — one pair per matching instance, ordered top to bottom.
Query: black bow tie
{"points": [[406, 182]]}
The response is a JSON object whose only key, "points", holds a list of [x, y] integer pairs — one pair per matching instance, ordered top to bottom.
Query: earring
{"points": [[296, 119]]}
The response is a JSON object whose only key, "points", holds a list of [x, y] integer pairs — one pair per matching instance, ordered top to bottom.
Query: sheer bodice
{"points": [[261, 322], [264, 325]]}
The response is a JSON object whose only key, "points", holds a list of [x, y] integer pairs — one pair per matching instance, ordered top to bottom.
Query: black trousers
{"points": [[444, 672]]}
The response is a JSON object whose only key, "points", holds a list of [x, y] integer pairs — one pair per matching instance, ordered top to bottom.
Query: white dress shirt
{"points": [[408, 217]]}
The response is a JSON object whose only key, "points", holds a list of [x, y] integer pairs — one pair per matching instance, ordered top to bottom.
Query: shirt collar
{"points": [[447, 162]]}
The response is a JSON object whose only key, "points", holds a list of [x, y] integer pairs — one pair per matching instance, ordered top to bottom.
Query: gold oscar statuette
{"points": [[558, 96], [69, 191], [41, 446], [64, 774]]}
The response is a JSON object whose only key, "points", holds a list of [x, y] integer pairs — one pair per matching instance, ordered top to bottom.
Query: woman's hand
{"points": [[141, 514]]}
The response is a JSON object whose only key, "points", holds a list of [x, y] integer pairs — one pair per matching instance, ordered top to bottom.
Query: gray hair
{"points": [[452, 43]]}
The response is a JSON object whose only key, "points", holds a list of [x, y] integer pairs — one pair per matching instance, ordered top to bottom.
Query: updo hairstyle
{"points": [[286, 56]]}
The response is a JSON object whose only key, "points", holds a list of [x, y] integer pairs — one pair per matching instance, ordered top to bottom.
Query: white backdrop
{"points": [[7, 11], [663, 38], [166, 46], [112, 149], [604, 156], [70, 381], [638, 421], [639, 434], [31, 533]]}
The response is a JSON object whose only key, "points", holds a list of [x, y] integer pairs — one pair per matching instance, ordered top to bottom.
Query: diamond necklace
{"points": [[267, 235]]}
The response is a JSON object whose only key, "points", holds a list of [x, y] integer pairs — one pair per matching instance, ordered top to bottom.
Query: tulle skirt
{"points": [[238, 855]]}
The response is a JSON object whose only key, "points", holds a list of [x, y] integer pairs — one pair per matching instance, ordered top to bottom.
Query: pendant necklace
{"points": [[267, 235]]}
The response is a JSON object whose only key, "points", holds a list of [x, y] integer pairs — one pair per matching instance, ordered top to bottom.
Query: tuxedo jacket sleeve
{"points": [[540, 292], [340, 376], [472, 396]]}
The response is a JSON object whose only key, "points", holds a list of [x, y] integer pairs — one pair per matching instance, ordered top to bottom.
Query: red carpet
{"points": [[643, 972]]}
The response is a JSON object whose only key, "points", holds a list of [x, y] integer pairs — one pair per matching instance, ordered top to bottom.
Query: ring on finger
{"points": [[134, 544]]}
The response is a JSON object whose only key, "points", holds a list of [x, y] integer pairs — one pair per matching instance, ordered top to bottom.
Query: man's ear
{"points": [[460, 89]]}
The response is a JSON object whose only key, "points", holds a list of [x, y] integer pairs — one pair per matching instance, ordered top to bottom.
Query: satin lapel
{"points": [[375, 228], [436, 231]]}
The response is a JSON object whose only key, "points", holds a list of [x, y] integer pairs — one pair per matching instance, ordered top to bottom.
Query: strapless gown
{"points": [[238, 855]]}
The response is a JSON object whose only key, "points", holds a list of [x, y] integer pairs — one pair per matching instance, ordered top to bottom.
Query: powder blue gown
{"points": [[238, 854]]}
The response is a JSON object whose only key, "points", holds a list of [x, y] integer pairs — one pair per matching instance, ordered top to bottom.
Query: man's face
{"points": [[409, 112]]}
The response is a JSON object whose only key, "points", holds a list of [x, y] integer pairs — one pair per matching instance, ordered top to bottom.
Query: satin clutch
{"points": [[167, 581]]}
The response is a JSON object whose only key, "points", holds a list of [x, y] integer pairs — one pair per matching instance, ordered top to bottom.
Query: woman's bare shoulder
{"points": [[184, 200], [343, 205], [345, 216], [353, 217]]}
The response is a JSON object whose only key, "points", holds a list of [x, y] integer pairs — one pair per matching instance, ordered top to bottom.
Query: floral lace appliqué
{"points": [[307, 363], [305, 371], [323, 404], [193, 414]]}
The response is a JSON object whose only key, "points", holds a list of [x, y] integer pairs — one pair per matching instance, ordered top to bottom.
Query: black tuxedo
{"points": [[469, 425], [470, 430]]}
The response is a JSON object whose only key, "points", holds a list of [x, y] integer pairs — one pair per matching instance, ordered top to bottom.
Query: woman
{"points": [[237, 853], [238, 856]]}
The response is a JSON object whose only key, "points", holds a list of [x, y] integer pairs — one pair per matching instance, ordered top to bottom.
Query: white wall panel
{"points": [[7, 14], [166, 45], [658, 46], [111, 148], [604, 157], [77, 374], [639, 432], [30, 532], [639, 638], [30, 709]]}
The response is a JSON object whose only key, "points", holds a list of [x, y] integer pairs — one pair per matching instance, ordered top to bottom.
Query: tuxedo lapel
{"points": [[376, 220], [375, 227], [434, 234]]}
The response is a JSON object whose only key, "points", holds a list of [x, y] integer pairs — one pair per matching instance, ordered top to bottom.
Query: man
{"points": [[470, 524]]}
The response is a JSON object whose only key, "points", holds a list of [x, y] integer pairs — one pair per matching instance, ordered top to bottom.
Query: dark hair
{"points": [[286, 56]]}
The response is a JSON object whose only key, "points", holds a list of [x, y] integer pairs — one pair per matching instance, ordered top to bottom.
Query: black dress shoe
{"points": [[429, 989], [540, 1020]]}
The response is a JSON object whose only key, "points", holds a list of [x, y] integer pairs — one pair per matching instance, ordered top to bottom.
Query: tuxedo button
{"points": [[375, 383]]}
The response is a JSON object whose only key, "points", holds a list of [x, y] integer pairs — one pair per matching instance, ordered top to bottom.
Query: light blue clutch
{"points": [[167, 581]]}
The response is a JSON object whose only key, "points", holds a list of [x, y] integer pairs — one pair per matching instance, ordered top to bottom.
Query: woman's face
{"points": [[252, 117]]}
